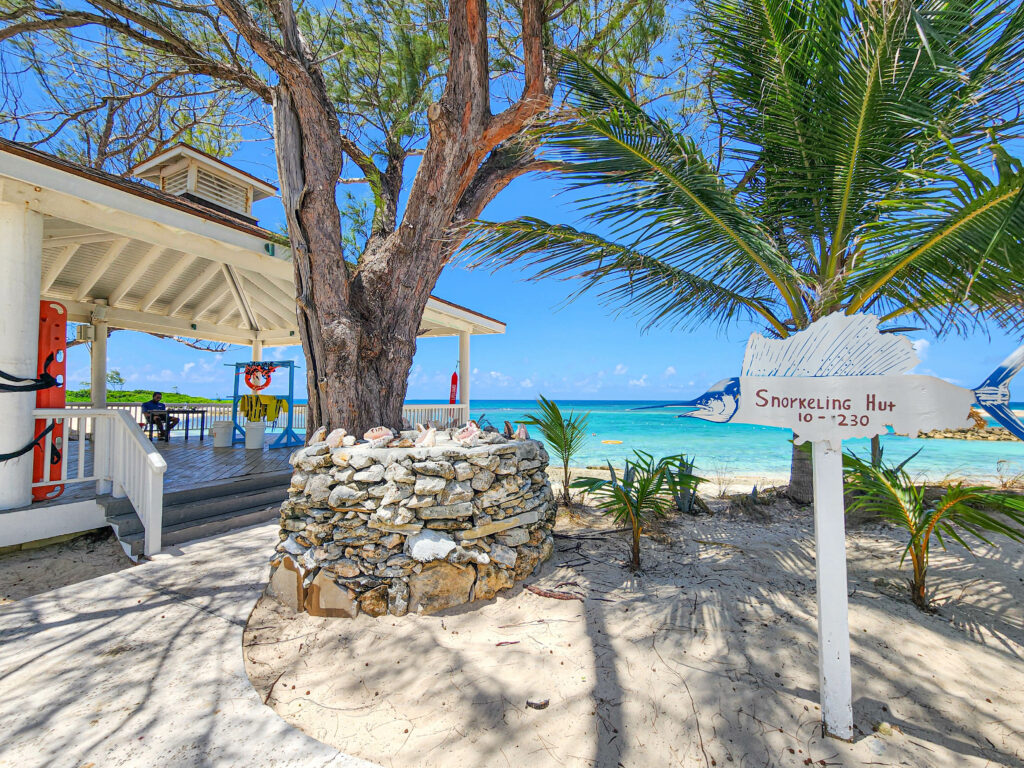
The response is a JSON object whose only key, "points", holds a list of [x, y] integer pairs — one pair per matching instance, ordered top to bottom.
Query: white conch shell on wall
{"points": [[521, 433], [379, 436], [468, 436], [427, 438]]}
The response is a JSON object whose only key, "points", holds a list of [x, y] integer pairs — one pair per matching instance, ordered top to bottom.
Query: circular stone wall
{"points": [[393, 530]]}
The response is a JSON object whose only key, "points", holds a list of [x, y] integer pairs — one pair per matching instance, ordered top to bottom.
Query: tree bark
{"points": [[359, 323], [801, 481]]}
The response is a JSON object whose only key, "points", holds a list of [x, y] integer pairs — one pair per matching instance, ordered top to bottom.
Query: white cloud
{"points": [[921, 347], [187, 367], [620, 369], [670, 371], [499, 379], [641, 382], [526, 383]]}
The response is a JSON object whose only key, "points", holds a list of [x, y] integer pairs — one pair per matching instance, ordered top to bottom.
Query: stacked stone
{"points": [[392, 530]]}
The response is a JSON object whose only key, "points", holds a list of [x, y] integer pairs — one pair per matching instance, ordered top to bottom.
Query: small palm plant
{"points": [[565, 435], [682, 483], [649, 489], [888, 491]]}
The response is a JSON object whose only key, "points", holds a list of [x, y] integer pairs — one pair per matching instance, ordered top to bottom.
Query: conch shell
{"points": [[509, 431], [521, 433], [318, 435], [468, 436], [378, 437], [427, 438], [334, 439]]}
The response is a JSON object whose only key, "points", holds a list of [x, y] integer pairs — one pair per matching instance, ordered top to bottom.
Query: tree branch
{"points": [[166, 40], [536, 94], [505, 164]]}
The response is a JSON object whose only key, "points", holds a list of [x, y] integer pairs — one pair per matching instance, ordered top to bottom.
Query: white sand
{"points": [[32, 571], [706, 659]]}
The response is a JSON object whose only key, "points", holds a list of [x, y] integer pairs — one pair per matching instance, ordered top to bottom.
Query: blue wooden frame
{"points": [[288, 437]]}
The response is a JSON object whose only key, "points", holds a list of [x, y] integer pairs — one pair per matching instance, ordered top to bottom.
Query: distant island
{"points": [[136, 396]]}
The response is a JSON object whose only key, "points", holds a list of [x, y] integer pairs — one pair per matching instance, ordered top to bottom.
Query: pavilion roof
{"points": [[165, 264]]}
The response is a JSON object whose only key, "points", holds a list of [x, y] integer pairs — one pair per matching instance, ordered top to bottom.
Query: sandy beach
{"points": [[31, 571], [706, 658]]}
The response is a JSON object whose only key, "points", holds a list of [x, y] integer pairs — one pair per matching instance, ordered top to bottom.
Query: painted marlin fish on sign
{"points": [[842, 378]]}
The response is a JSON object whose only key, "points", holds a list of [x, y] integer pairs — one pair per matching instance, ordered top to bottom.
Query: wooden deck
{"points": [[190, 464]]}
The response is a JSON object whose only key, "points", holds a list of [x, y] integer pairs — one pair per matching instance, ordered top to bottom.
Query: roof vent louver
{"points": [[188, 172]]}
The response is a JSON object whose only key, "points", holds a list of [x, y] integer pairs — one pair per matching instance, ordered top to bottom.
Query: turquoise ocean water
{"points": [[742, 449]]}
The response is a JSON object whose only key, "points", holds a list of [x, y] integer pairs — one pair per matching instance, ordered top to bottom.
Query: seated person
{"points": [[156, 413]]}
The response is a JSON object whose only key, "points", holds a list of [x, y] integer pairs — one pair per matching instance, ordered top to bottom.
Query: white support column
{"points": [[21, 254], [257, 350], [98, 357], [464, 368], [98, 394], [835, 683]]}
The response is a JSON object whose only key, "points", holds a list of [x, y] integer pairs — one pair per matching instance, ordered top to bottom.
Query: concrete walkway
{"points": [[144, 668]]}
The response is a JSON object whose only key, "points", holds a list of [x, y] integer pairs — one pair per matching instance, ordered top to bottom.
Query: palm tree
{"points": [[858, 165], [565, 435], [649, 489], [888, 491]]}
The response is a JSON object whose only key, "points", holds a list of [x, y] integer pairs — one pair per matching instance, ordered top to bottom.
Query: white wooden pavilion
{"points": [[179, 256]]}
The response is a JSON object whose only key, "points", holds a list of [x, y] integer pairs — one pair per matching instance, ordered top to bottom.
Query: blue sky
{"points": [[575, 351]]}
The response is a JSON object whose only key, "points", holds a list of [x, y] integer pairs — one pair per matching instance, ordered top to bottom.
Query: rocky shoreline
{"points": [[972, 433]]}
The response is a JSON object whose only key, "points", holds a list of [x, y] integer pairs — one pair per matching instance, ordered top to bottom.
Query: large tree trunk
{"points": [[359, 322], [801, 480]]}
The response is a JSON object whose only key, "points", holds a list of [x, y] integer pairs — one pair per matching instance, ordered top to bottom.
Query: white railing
{"points": [[214, 412], [439, 414], [442, 414], [111, 450]]}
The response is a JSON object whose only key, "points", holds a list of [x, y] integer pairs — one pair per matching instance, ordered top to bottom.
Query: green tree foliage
{"points": [[385, 64], [104, 102], [428, 107], [857, 162], [864, 168], [115, 379], [137, 396], [564, 435], [961, 511]]}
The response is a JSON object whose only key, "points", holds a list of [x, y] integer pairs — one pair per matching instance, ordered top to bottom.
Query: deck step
{"points": [[202, 511], [198, 529]]}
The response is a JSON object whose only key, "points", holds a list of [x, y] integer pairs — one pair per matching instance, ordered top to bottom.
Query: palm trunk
{"points": [[876, 451], [801, 479], [565, 485], [636, 547], [918, 590]]}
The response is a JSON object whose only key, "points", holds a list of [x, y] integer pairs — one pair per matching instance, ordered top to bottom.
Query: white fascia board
{"points": [[73, 198], [460, 319]]}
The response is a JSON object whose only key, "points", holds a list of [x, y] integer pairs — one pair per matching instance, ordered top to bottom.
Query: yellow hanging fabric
{"points": [[270, 406], [261, 407]]}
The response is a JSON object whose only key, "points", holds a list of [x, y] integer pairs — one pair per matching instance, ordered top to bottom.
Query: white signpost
{"points": [[838, 379]]}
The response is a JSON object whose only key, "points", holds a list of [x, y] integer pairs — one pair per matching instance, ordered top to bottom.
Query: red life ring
{"points": [[257, 375]]}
